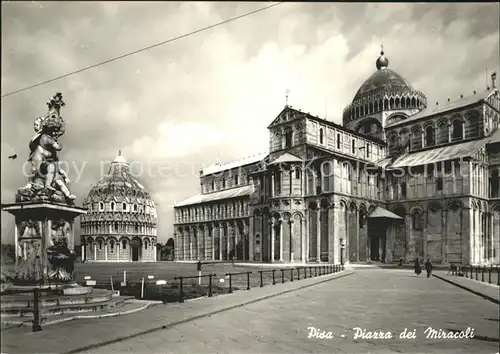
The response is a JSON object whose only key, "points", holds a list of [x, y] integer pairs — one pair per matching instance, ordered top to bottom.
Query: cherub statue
{"points": [[46, 178]]}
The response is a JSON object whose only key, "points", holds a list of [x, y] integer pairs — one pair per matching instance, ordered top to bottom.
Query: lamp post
{"points": [[342, 248]]}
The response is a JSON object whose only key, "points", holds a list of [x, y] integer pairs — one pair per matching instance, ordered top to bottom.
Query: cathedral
{"points": [[401, 178], [120, 225]]}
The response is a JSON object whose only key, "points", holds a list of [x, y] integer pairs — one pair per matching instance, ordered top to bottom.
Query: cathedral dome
{"points": [[384, 80], [384, 90]]}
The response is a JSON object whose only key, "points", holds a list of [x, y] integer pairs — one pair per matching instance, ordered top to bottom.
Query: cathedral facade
{"points": [[400, 179], [121, 222]]}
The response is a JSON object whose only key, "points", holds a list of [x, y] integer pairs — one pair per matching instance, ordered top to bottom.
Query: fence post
{"points": [[343, 268], [315, 271], [305, 272], [310, 272], [476, 272], [298, 273], [482, 273], [291, 274], [489, 275], [498, 275], [282, 276], [274, 279], [248, 280], [261, 282], [210, 284], [230, 284], [181, 292], [36, 310]]}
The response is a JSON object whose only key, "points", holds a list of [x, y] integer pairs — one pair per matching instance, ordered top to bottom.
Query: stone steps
{"points": [[56, 304], [127, 307], [56, 310]]}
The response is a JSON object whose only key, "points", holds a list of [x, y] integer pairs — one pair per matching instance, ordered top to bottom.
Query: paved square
{"points": [[373, 299]]}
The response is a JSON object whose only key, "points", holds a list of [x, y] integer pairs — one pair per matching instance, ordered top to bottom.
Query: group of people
{"points": [[428, 267]]}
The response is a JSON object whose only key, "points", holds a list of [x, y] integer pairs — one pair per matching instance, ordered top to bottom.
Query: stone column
{"points": [[272, 184], [230, 232], [273, 232], [190, 233], [318, 235], [221, 236], [357, 236], [246, 237], [237, 238], [251, 239], [305, 239], [281, 240], [291, 241], [199, 242], [118, 244], [95, 250], [106, 250], [83, 252], [212, 253]]}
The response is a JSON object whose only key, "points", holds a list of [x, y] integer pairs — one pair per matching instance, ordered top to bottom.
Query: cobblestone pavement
{"points": [[373, 299]]}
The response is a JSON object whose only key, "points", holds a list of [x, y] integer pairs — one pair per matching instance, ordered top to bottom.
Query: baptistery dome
{"points": [[121, 222]]}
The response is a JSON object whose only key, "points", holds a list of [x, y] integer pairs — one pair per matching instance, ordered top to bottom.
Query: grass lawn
{"points": [[104, 274]]}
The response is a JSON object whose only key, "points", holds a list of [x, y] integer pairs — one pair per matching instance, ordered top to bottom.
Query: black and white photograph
{"points": [[250, 177]]}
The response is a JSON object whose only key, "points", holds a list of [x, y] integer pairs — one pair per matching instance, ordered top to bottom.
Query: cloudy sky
{"points": [[177, 107]]}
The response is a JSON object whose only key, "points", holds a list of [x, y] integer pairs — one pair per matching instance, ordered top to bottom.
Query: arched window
{"points": [[457, 130], [321, 135], [429, 136], [288, 138], [339, 140], [353, 146], [297, 173], [236, 180], [290, 181], [223, 183], [494, 184], [213, 185], [101, 206], [112, 206], [124, 206], [135, 208], [116, 226], [136, 227], [99, 242], [124, 244], [146, 244], [112, 246]]}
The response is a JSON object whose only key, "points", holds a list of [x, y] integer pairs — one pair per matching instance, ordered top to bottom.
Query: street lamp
{"points": [[342, 248]]}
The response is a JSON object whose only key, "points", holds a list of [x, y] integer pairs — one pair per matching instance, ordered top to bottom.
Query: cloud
{"points": [[177, 107], [178, 139]]}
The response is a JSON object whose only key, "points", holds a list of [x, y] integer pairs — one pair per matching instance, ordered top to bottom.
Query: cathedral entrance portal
{"points": [[379, 221], [377, 237], [135, 246]]}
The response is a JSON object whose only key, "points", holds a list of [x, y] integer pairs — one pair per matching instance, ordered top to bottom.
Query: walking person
{"points": [[428, 267], [418, 269]]}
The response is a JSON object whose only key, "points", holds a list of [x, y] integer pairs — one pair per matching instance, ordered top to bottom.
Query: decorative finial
{"points": [[382, 62], [493, 79], [287, 92], [55, 103], [119, 153]]}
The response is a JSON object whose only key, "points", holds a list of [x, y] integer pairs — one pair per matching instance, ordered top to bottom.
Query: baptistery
{"points": [[121, 222]]}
